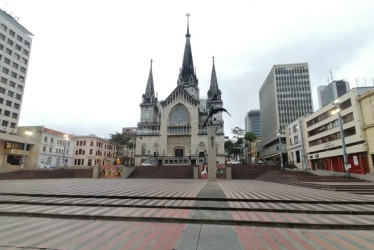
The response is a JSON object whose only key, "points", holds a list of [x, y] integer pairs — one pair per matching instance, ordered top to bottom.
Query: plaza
{"points": [[181, 214]]}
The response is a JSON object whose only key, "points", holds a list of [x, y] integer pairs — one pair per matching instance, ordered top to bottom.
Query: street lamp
{"points": [[337, 110], [27, 133], [66, 138], [280, 148], [303, 158]]}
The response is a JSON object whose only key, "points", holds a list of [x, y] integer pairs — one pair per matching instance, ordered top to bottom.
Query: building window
{"points": [[3, 27], [11, 32], [19, 38], [10, 42], [7, 60], [15, 65], [5, 70], [4, 80], [12, 84], [10, 93], [18, 96], [8, 103], [16, 106], [7, 113], [14, 115], [5, 123], [12, 125]]}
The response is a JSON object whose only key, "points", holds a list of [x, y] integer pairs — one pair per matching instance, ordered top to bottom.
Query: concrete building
{"points": [[15, 49], [332, 91], [284, 97], [366, 102], [253, 122], [171, 132], [295, 138], [323, 140], [50, 149], [91, 150]]}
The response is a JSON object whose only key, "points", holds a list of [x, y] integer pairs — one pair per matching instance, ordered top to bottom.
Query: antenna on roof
{"points": [[332, 78]]}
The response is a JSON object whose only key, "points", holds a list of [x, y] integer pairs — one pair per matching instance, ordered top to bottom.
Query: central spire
{"points": [[187, 75]]}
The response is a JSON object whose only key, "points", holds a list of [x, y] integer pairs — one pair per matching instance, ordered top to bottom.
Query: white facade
{"points": [[15, 48], [324, 143], [56, 150]]}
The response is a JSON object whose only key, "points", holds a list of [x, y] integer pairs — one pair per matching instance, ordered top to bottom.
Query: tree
{"points": [[249, 137], [122, 141], [239, 143]]}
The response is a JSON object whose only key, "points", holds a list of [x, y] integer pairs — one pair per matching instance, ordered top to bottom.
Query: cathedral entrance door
{"points": [[179, 152]]}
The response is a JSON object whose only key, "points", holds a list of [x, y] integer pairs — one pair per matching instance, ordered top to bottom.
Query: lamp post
{"points": [[337, 110], [27, 133], [66, 138], [280, 148], [303, 158]]}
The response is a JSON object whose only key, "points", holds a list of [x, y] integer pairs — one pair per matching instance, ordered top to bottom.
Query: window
{"points": [[3, 27], [11, 32], [2, 37], [19, 38], [10, 42], [27, 43], [18, 47], [8, 51], [25, 52], [6, 60], [24, 60], [15, 65], [5, 70], [23, 70], [13, 74], [4, 80], [12, 84], [19, 87], [2, 91], [10, 93], [18, 96], [8, 103], [16, 106], [7, 113], [14, 115], [4, 123], [12, 125], [45, 138], [52, 140]]}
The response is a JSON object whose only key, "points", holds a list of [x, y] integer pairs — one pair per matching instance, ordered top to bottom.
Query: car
{"points": [[233, 162], [260, 162], [146, 164]]}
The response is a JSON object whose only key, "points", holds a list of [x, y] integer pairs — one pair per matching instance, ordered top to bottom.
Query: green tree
{"points": [[249, 137], [122, 141], [239, 142]]}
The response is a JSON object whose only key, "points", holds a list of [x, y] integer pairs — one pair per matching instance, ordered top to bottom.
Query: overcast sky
{"points": [[90, 59]]}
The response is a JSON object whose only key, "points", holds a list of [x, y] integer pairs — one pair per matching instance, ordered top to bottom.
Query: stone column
{"points": [[212, 175]]}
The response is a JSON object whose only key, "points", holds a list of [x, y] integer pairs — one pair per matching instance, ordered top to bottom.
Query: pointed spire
{"points": [[188, 25], [187, 74], [149, 91], [214, 92]]}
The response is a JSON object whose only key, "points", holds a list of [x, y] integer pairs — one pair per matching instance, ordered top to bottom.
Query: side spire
{"points": [[214, 93], [149, 95]]}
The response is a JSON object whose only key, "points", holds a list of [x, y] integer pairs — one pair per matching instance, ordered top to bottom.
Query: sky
{"points": [[90, 59]]}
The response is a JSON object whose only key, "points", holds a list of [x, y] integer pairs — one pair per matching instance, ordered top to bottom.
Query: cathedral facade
{"points": [[171, 131]]}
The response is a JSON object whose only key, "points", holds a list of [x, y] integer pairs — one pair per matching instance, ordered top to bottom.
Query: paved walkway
{"points": [[180, 214]]}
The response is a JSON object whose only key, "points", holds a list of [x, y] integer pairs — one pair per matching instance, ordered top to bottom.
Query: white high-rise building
{"points": [[15, 48], [284, 97]]}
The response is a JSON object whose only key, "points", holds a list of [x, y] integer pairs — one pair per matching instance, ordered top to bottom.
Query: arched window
{"points": [[144, 149]]}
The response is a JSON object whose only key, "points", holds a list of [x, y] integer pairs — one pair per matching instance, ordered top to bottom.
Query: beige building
{"points": [[366, 102], [171, 132], [322, 134], [91, 150]]}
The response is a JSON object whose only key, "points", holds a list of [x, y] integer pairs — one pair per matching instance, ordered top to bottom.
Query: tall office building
{"points": [[15, 46], [331, 92], [284, 97], [252, 122]]}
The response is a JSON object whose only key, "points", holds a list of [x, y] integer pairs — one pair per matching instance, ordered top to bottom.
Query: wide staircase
{"points": [[163, 172]]}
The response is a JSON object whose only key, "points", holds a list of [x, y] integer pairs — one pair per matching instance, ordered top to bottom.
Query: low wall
{"points": [[47, 174]]}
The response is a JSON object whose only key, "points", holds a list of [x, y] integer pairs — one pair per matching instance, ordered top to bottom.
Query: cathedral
{"points": [[171, 131]]}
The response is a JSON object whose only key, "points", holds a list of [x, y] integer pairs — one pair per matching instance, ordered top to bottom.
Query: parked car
{"points": [[233, 162], [260, 162], [146, 164]]}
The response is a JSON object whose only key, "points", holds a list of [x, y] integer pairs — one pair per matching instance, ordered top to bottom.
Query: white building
{"points": [[15, 48], [284, 97], [324, 143]]}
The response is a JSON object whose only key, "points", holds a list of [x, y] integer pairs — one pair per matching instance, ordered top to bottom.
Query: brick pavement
{"points": [[180, 214]]}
